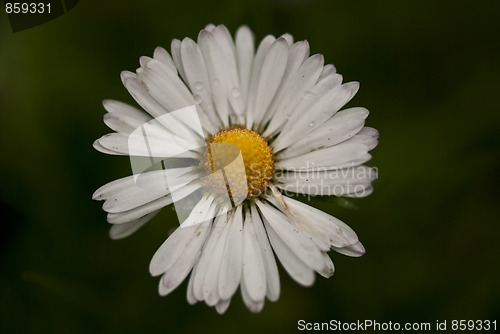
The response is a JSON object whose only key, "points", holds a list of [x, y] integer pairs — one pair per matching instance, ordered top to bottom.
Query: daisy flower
{"points": [[227, 133]]}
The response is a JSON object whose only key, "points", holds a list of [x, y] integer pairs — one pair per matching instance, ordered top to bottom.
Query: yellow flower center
{"points": [[257, 160]]}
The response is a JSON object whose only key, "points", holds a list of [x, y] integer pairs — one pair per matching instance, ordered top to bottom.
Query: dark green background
{"points": [[429, 74]]}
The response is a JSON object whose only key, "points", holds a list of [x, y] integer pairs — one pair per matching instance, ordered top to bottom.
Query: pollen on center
{"points": [[257, 159]]}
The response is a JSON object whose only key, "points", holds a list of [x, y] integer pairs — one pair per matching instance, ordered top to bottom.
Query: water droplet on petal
{"points": [[216, 82], [198, 85], [235, 92], [197, 99], [311, 124]]}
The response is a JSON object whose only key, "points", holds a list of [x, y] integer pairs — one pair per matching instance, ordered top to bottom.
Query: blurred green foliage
{"points": [[429, 73]]}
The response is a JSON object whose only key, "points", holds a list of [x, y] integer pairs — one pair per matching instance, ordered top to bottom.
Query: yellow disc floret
{"points": [[257, 160]]}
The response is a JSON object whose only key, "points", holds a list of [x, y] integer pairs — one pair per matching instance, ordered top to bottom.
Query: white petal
{"points": [[210, 27], [288, 38], [175, 48], [228, 50], [245, 50], [297, 53], [261, 54], [162, 55], [144, 60], [273, 69], [327, 71], [218, 73], [126, 75], [199, 82], [301, 82], [174, 86], [169, 91], [141, 95], [307, 101], [323, 109], [126, 110], [121, 123], [125, 124], [342, 126], [180, 128], [367, 136], [119, 143], [144, 143], [104, 150], [343, 155], [144, 180], [338, 182], [112, 188], [147, 188], [131, 199], [201, 212], [127, 216], [124, 230], [312, 230], [339, 233], [181, 241], [303, 246], [355, 250], [296, 253], [166, 255], [183, 258], [232, 258], [203, 265], [295, 267], [213, 268], [328, 268], [254, 269], [272, 274], [189, 291], [222, 306], [253, 306]]}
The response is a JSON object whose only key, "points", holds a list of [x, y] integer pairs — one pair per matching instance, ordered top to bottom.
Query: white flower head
{"points": [[226, 133]]}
